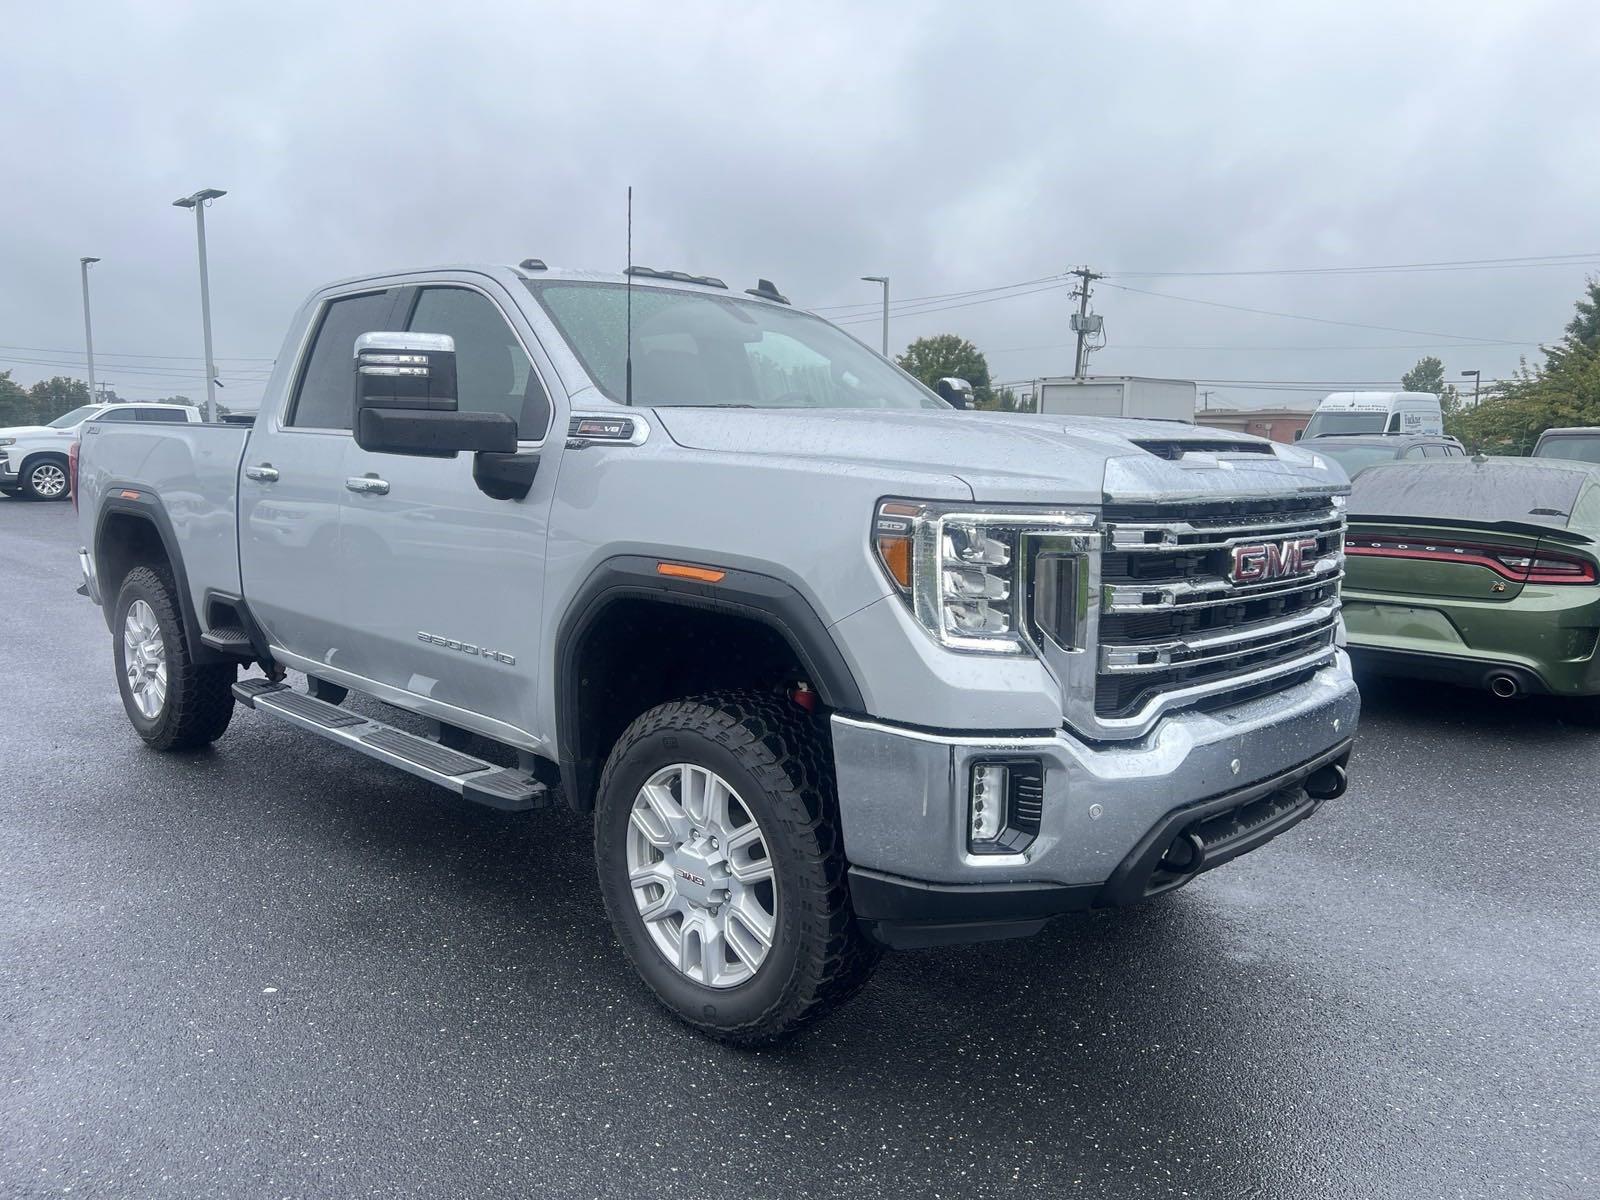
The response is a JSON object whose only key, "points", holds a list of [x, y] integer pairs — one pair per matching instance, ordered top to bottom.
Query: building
{"points": [[1279, 424]]}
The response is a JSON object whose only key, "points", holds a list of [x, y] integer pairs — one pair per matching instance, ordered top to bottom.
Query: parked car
{"points": [[1343, 413], [1581, 444], [1356, 453], [34, 459], [1480, 572], [834, 665]]}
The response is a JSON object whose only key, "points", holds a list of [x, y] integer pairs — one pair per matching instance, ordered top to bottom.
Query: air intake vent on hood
{"points": [[1170, 448]]}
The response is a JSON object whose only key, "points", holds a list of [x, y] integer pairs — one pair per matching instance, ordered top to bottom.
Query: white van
{"points": [[1376, 412]]}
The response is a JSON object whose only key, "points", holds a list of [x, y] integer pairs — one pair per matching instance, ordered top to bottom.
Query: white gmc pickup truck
{"points": [[834, 665]]}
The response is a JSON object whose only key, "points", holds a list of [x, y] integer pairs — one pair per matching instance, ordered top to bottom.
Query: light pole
{"points": [[198, 202], [883, 279], [88, 329], [1476, 380]]}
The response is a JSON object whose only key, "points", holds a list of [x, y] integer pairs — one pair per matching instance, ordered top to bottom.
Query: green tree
{"points": [[931, 359], [1426, 376], [1565, 391], [52, 397], [16, 407]]}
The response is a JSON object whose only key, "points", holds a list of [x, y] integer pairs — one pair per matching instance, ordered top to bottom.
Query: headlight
{"points": [[8, 441], [963, 568]]}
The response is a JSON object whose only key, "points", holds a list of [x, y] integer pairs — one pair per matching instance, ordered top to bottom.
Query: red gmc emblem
{"points": [[1261, 562]]}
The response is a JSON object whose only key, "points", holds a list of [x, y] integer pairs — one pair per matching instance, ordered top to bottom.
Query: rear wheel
{"points": [[45, 479], [173, 702], [722, 869]]}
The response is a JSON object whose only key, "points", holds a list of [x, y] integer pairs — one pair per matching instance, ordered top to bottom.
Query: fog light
{"points": [[990, 784]]}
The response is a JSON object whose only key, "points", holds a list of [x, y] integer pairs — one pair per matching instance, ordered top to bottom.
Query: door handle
{"points": [[264, 473], [369, 485]]}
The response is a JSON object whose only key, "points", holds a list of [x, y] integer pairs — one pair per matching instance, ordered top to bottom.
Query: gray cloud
{"points": [[952, 146]]}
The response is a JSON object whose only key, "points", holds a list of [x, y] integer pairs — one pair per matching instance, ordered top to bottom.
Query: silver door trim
{"points": [[463, 718]]}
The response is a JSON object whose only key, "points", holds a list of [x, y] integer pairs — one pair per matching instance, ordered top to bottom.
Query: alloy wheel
{"points": [[48, 480], [144, 659], [702, 876]]}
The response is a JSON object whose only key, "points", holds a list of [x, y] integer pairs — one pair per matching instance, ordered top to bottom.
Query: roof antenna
{"points": [[628, 287]]}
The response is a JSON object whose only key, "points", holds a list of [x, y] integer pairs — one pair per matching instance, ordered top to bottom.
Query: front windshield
{"points": [[690, 348], [68, 420], [1346, 422], [1576, 447], [1355, 459]]}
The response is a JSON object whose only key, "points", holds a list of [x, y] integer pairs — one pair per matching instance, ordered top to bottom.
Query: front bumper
{"points": [[9, 476], [1110, 811]]}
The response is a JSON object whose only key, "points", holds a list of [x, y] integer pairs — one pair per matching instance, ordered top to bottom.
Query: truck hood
{"points": [[18, 431], [1016, 457]]}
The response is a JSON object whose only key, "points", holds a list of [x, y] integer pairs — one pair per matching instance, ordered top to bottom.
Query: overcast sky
{"points": [[951, 146]]}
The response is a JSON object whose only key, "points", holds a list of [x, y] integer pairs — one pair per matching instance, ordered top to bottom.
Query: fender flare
{"points": [[148, 507], [747, 594]]}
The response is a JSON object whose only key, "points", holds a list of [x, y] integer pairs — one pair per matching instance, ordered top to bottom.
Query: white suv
{"points": [[34, 458]]}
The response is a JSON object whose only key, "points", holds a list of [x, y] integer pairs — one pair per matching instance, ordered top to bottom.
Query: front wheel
{"points": [[45, 479], [173, 702], [722, 869]]}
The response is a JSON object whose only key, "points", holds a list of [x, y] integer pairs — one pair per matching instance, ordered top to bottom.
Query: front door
{"points": [[291, 488], [445, 584]]}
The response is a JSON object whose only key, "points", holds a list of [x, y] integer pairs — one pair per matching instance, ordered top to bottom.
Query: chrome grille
{"points": [[1175, 629]]}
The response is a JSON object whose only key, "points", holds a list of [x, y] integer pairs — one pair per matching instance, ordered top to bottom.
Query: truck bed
{"points": [[193, 473]]}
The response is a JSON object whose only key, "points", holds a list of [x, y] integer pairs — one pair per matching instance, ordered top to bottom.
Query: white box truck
{"points": [[1117, 396]]}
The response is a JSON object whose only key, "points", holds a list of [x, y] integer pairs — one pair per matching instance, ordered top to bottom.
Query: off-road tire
{"points": [[199, 701], [777, 758]]}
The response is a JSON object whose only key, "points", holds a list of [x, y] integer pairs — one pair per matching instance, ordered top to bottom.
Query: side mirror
{"points": [[955, 392], [405, 400], [1298, 434]]}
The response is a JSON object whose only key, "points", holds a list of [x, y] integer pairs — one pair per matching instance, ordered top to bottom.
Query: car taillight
{"points": [[72, 472], [1510, 562]]}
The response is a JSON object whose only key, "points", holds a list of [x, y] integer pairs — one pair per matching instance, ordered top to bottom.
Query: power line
{"points": [[1460, 264], [1463, 264], [929, 308], [1267, 312], [1276, 347], [111, 354]]}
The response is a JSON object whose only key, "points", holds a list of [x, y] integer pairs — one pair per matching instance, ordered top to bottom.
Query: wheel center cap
{"points": [[698, 874]]}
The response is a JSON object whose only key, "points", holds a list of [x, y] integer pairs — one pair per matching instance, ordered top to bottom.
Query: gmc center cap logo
{"points": [[1262, 562]]}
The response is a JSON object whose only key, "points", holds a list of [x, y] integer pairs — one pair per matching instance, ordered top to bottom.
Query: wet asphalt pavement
{"points": [[278, 969]]}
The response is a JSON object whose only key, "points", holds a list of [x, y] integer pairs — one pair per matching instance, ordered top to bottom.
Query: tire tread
{"points": [[199, 696], [789, 753]]}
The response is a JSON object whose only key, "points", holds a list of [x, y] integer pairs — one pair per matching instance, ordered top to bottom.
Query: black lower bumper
{"points": [[1187, 842]]}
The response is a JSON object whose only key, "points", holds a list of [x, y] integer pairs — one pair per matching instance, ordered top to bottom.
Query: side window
{"points": [[493, 373], [326, 393], [116, 414], [171, 416], [1394, 423], [1434, 451], [1413, 452]]}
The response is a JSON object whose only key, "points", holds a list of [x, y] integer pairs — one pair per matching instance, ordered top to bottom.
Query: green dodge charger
{"points": [[1481, 572]]}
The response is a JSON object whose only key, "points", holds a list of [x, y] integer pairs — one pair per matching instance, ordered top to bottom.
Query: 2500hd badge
{"points": [[509, 660]]}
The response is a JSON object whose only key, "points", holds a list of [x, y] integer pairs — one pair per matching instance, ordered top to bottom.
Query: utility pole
{"points": [[198, 203], [883, 279], [1082, 323], [88, 328], [1205, 399]]}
